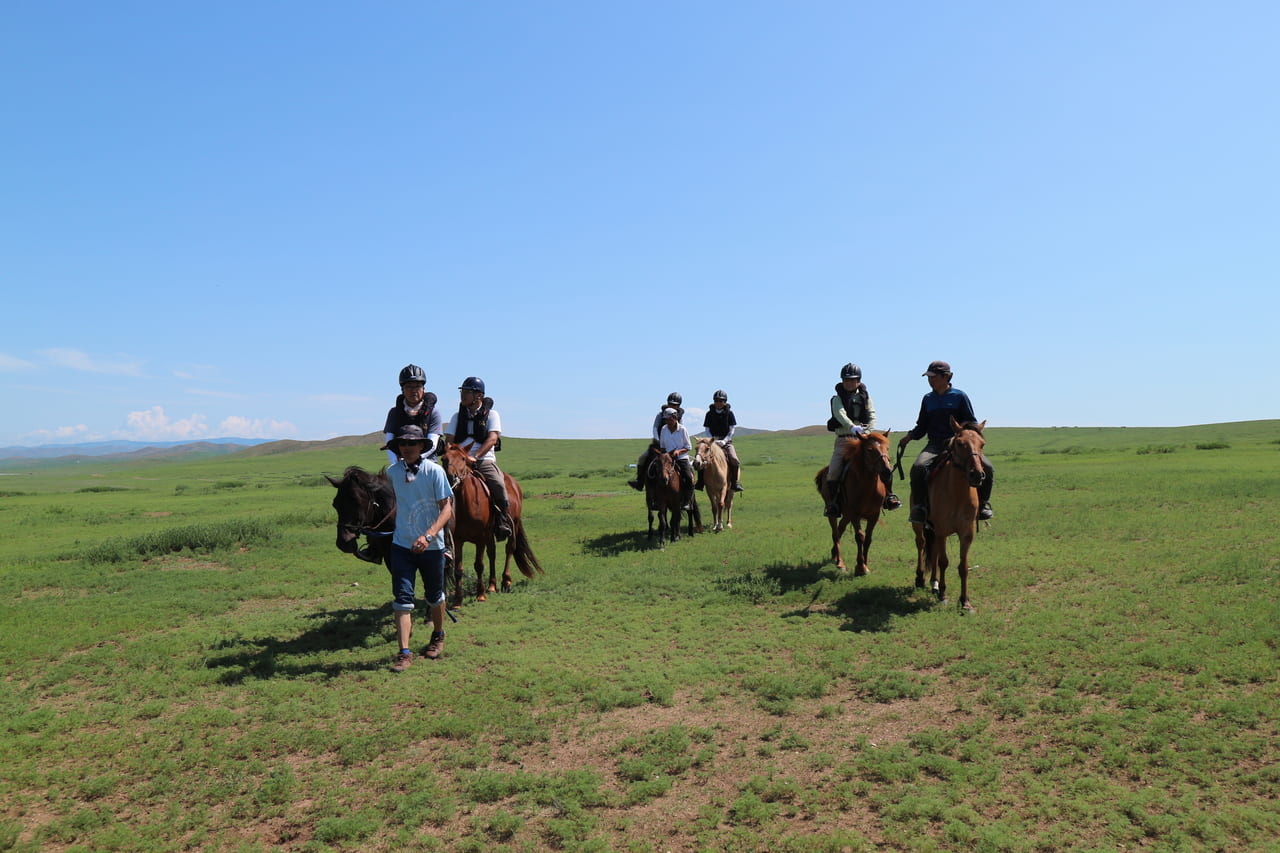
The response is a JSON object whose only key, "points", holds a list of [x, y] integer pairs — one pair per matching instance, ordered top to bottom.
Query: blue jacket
{"points": [[936, 412]]}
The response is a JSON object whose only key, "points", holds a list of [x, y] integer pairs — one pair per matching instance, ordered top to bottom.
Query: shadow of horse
{"points": [[613, 544], [792, 577], [873, 608], [273, 657]]}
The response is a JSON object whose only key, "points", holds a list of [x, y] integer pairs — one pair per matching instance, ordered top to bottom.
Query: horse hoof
{"points": [[861, 573]]}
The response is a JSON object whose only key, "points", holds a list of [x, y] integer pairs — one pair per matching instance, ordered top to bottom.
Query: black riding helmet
{"points": [[851, 371], [412, 373], [720, 397], [674, 399]]}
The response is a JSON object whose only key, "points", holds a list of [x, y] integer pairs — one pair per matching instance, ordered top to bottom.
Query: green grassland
{"points": [[188, 663]]}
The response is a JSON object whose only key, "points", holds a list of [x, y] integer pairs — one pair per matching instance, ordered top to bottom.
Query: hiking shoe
{"points": [[636, 484], [737, 487], [891, 502], [831, 511], [985, 512], [918, 515], [435, 648], [403, 661]]}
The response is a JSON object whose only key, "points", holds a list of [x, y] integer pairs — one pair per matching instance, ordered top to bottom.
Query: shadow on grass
{"points": [[613, 544], [791, 577], [873, 608], [336, 631]]}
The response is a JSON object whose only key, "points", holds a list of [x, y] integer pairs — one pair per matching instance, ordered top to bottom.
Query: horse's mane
{"points": [[854, 445], [364, 478]]}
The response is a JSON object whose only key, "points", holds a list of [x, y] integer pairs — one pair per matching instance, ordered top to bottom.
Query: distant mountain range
{"points": [[210, 446], [217, 446]]}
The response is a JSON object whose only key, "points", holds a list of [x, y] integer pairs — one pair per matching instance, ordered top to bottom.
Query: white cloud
{"points": [[77, 360], [10, 364], [154, 425], [238, 427], [58, 435]]}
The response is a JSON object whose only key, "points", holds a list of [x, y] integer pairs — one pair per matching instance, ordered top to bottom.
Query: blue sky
{"points": [[242, 219]]}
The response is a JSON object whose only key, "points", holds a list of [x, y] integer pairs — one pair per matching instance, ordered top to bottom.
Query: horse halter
{"points": [[967, 460], [359, 526]]}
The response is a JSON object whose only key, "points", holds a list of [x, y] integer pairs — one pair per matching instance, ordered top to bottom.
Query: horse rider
{"points": [[674, 401], [943, 402], [415, 405], [852, 413], [720, 424], [478, 428], [673, 439]]}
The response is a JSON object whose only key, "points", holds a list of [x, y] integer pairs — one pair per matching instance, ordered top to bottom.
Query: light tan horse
{"points": [[714, 466], [953, 509]]}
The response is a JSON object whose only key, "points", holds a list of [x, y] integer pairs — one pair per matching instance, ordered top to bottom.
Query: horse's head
{"points": [[966, 450], [703, 451], [868, 451], [875, 452], [456, 463], [660, 467], [359, 503]]}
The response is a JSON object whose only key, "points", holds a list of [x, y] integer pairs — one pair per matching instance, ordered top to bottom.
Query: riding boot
{"points": [[734, 470], [638, 482], [699, 485], [984, 498], [891, 501], [832, 509], [502, 524]]}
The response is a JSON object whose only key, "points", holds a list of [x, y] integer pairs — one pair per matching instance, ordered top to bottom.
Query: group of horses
{"points": [[665, 500], [953, 504], [366, 506]]}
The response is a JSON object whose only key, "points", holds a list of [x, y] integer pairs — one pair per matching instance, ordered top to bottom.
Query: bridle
{"points": [[963, 456], [359, 527]]}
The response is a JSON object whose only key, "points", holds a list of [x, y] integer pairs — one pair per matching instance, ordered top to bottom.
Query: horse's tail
{"points": [[821, 478], [525, 560]]}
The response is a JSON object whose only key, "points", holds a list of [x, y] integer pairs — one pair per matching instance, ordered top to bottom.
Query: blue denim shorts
{"points": [[405, 564]]}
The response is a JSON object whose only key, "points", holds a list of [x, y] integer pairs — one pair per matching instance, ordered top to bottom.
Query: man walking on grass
{"points": [[424, 505]]}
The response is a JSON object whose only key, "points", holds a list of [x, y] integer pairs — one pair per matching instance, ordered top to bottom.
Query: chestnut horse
{"points": [[711, 461], [866, 468], [662, 496], [953, 508], [474, 521]]}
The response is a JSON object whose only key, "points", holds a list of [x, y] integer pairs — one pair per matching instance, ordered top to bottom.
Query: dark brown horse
{"points": [[862, 492], [663, 497], [366, 505], [953, 509], [474, 520]]}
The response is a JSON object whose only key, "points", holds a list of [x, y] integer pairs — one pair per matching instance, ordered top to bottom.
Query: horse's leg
{"points": [[728, 509], [838, 524], [673, 527], [862, 537], [966, 539], [864, 542], [510, 550], [491, 551], [922, 553], [938, 553], [479, 567]]}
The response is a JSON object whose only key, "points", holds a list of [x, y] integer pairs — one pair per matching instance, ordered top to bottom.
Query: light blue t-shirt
{"points": [[418, 503]]}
